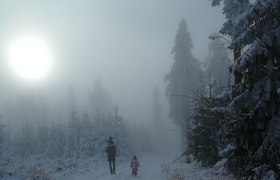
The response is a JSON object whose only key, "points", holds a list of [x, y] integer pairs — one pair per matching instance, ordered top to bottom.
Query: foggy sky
{"points": [[125, 42]]}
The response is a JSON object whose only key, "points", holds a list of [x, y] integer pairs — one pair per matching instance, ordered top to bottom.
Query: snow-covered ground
{"points": [[152, 167], [149, 170]]}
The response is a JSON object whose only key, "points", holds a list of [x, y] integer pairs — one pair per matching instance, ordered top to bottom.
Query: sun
{"points": [[29, 57]]}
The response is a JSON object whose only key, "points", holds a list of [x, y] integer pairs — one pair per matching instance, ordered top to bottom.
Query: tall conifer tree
{"points": [[182, 79], [254, 100]]}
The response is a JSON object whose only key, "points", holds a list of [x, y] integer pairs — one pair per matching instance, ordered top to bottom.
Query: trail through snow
{"points": [[150, 169]]}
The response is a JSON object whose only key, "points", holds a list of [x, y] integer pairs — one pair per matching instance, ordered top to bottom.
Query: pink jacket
{"points": [[134, 164]]}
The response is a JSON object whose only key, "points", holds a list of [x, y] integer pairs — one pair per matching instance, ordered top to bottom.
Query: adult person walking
{"points": [[111, 155]]}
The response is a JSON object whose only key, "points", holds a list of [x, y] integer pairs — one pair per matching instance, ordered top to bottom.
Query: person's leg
{"points": [[110, 166], [114, 166]]}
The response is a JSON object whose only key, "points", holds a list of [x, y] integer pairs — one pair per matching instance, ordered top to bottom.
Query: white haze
{"points": [[127, 43]]}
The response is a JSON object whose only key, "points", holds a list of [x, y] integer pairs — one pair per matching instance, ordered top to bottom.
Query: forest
{"points": [[194, 94]]}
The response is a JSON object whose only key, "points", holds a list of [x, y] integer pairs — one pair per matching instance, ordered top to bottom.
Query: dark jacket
{"points": [[111, 151]]}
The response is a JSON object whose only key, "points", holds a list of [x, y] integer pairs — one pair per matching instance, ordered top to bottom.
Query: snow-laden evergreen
{"points": [[254, 29], [183, 77], [118, 130], [42, 134], [2, 136], [76, 137], [88, 137], [79, 138], [205, 140], [24, 141], [57, 141], [74, 143]]}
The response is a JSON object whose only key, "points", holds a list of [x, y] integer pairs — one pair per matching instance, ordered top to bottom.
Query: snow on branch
{"points": [[227, 150]]}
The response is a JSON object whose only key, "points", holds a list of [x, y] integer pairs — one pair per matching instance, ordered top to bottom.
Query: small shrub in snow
{"points": [[165, 169], [37, 174], [178, 174]]}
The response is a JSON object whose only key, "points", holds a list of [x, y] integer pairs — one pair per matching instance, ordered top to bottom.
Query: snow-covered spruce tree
{"points": [[254, 29], [218, 61], [182, 79], [106, 126], [101, 133], [119, 134], [2, 135], [42, 136], [87, 139], [24, 141], [57, 141], [204, 141], [73, 142], [7, 145]]}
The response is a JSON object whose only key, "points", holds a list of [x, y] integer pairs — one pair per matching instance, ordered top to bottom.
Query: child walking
{"points": [[134, 165]]}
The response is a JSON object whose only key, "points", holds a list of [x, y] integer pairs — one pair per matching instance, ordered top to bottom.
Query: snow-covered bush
{"points": [[36, 173]]}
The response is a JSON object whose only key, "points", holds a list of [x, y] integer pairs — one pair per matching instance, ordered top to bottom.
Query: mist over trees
{"points": [[99, 100], [76, 130], [77, 135]]}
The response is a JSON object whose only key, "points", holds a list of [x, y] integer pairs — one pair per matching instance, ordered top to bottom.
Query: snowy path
{"points": [[98, 169], [150, 169]]}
